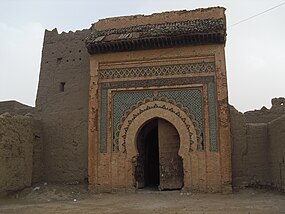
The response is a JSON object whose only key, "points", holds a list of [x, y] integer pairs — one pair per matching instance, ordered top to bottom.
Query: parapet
{"points": [[169, 29], [51, 36], [278, 103], [15, 108]]}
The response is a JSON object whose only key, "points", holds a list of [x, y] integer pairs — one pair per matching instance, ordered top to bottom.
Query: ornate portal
{"points": [[158, 112]]}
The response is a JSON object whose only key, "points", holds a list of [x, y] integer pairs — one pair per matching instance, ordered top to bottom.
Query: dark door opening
{"points": [[151, 162], [158, 164], [147, 170]]}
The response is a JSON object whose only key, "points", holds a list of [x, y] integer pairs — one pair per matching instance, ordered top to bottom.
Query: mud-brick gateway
{"points": [[158, 102], [146, 107]]}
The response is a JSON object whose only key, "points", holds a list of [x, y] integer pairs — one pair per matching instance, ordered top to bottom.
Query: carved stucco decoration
{"points": [[158, 107]]}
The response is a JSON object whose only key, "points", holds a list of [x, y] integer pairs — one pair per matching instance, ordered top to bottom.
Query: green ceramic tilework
{"points": [[214, 144]]}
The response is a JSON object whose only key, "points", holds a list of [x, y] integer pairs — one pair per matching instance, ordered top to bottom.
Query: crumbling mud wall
{"points": [[62, 105], [15, 108], [265, 115], [276, 135], [238, 140], [258, 146], [249, 151], [16, 152], [38, 152], [256, 154]]}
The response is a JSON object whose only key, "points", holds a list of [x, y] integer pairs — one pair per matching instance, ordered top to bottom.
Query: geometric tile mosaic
{"points": [[163, 70], [187, 98], [190, 98], [123, 101], [166, 105], [103, 120], [213, 127]]}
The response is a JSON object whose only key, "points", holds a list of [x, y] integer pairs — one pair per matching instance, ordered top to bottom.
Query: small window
{"points": [[59, 59], [61, 86]]}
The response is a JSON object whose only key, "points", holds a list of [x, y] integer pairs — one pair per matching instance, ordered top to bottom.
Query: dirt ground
{"points": [[48, 198]]}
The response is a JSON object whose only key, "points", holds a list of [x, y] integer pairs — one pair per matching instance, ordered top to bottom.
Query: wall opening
{"points": [[59, 59], [62, 86], [158, 165], [147, 170]]}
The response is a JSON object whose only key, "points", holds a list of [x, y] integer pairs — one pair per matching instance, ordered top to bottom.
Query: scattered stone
{"points": [[6, 114], [28, 115], [36, 188]]}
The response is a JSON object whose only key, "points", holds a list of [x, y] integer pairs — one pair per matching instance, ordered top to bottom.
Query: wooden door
{"points": [[171, 168]]}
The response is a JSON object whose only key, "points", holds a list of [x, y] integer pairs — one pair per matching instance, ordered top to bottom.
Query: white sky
{"points": [[254, 51]]}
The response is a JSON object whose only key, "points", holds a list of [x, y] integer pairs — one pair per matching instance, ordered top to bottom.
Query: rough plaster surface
{"points": [[15, 108], [64, 113], [265, 115], [276, 135], [238, 140], [258, 146], [38, 151], [16, 152], [256, 154]]}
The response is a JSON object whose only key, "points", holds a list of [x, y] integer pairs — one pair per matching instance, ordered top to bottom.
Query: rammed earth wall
{"points": [[62, 105], [258, 147], [16, 152]]}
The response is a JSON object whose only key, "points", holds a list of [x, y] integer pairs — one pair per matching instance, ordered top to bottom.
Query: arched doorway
{"points": [[158, 164]]}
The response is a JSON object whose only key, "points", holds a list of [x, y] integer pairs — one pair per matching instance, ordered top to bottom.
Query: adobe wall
{"points": [[62, 105], [15, 108], [265, 115], [276, 135], [238, 141], [258, 146], [249, 151], [16, 152], [38, 152], [256, 154]]}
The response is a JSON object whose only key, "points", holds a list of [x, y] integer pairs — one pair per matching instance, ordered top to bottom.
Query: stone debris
{"points": [[36, 188]]}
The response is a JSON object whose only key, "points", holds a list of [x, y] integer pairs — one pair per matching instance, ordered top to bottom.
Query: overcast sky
{"points": [[254, 50]]}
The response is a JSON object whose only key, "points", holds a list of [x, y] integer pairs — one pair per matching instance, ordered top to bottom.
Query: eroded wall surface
{"points": [[62, 105], [15, 108], [265, 115], [276, 135], [238, 140], [258, 146], [16, 152], [38, 152]]}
